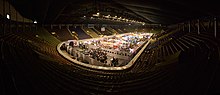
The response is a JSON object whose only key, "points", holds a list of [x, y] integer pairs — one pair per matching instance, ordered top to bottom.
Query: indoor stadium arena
{"points": [[109, 47]]}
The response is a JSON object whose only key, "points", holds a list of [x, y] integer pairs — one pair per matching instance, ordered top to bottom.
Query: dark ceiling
{"points": [[149, 11]]}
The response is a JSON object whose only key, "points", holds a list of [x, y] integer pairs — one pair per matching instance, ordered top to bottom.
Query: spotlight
{"points": [[7, 16], [35, 22]]}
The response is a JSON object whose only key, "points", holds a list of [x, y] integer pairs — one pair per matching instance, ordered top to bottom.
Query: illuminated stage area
{"points": [[105, 52]]}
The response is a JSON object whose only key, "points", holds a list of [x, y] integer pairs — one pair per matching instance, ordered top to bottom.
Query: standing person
{"points": [[113, 61], [116, 61]]}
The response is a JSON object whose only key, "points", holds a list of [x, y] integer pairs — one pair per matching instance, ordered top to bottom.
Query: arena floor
{"points": [[108, 51]]}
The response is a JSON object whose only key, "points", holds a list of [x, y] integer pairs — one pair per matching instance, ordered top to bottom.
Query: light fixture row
{"points": [[114, 18]]}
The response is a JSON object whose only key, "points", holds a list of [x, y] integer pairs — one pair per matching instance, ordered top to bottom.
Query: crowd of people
{"points": [[98, 49], [98, 54], [114, 61]]}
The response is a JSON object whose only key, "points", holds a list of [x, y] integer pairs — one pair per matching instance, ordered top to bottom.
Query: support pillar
{"points": [[16, 14], [10, 16], [4, 22], [23, 25], [51, 26], [59, 26], [68, 26], [183, 26], [189, 27], [198, 27], [215, 27]]}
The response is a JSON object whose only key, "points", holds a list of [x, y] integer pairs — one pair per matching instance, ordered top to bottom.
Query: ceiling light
{"points": [[7, 16], [35, 22], [53, 33]]}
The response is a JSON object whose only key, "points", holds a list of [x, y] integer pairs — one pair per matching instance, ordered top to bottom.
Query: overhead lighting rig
{"points": [[98, 15]]}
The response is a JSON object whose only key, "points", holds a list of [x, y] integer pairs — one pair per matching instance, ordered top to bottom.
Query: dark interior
{"points": [[183, 57]]}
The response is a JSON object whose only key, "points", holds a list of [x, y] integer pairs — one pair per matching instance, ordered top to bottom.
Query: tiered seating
{"points": [[1, 25], [112, 30], [118, 30], [96, 31], [109, 31], [90, 32], [106, 32], [81, 33], [63, 34], [45, 35], [200, 60], [30, 65], [28, 68], [54, 71]]}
